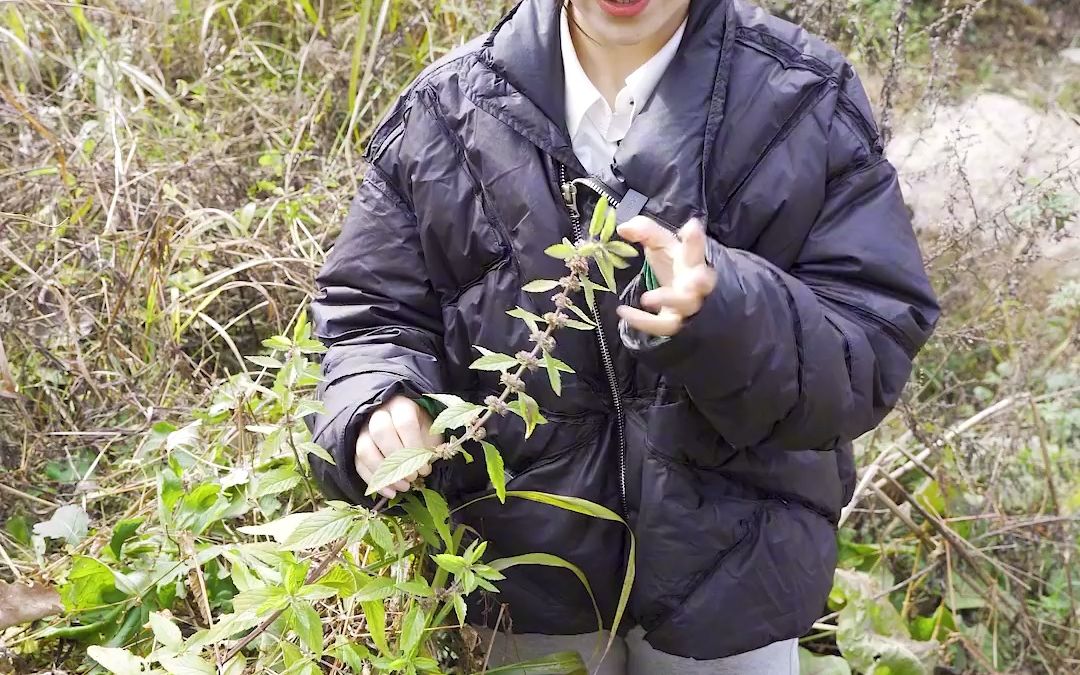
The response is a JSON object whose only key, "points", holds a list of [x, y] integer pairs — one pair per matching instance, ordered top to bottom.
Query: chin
{"points": [[602, 20]]}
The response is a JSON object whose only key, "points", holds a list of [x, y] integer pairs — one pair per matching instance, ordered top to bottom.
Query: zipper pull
{"points": [[569, 195]]}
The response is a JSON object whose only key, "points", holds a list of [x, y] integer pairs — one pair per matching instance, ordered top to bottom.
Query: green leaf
{"points": [[599, 219], [609, 226], [621, 249], [563, 251], [607, 270], [540, 286], [589, 288], [583, 316], [532, 320], [579, 325], [278, 342], [265, 361], [493, 361], [553, 375], [526, 407], [455, 416], [400, 465], [496, 470], [275, 481], [440, 515], [69, 523], [318, 529], [122, 532], [454, 564], [88, 583], [418, 587], [374, 589], [316, 592], [258, 600], [460, 608], [375, 615], [308, 627], [412, 630], [165, 631], [116, 660], [560, 663], [186, 664], [819, 664]]}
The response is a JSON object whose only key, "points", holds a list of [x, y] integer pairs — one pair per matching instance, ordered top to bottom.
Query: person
{"points": [[781, 303]]}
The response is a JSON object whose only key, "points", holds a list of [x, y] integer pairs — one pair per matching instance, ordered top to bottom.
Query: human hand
{"points": [[679, 264], [398, 423]]}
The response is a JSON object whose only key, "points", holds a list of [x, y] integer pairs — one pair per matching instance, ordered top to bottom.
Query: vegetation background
{"points": [[171, 176]]}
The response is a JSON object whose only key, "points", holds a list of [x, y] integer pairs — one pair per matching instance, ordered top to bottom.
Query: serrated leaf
{"points": [[540, 286], [530, 319], [265, 361], [494, 361], [456, 416], [400, 465], [496, 470], [278, 480], [439, 511], [70, 523], [318, 529], [122, 532], [453, 564], [418, 587], [375, 588], [316, 592], [460, 608], [375, 614], [308, 627], [412, 630], [165, 631], [117, 660], [186, 664]]}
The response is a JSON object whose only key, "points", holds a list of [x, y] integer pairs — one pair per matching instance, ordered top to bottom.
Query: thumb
{"points": [[647, 232]]}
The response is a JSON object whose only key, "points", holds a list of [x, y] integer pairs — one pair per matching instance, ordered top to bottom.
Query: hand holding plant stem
{"points": [[608, 255]]}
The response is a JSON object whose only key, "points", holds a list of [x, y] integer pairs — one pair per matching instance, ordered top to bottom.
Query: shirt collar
{"points": [[582, 94]]}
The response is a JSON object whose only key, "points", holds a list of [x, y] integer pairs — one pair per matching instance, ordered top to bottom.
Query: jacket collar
{"points": [[662, 155]]}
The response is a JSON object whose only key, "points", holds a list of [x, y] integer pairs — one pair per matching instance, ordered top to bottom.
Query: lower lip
{"points": [[624, 9]]}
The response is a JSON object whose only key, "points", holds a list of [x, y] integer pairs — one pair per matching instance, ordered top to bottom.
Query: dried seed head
{"points": [[578, 265], [570, 284], [561, 300], [555, 319], [546, 342], [527, 359], [512, 382], [497, 405], [479, 433], [444, 451]]}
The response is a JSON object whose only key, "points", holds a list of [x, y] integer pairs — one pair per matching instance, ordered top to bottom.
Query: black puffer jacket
{"points": [[727, 446]]}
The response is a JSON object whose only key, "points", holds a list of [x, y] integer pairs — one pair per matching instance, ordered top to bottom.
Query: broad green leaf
{"points": [[608, 228], [622, 249], [563, 251], [607, 270], [540, 286], [532, 320], [278, 342], [265, 361], [494, 361], [447, 399], [526, 407], [454, 417], [400, 465], [496, 470], [278, 480], [440, 515], [70, 523], [280, 529], [318, 529], [122, 532], [379, 534], [548, 560], [454, 564], [89, 582], [418, 587], [375, 589], [314, 592], [259, 600], [460, 608], [375, 615], [226, 626], [308, 626], [412, 630], [165, 631], [117, 660], [561, 663], [186, 664], [821, 664]]}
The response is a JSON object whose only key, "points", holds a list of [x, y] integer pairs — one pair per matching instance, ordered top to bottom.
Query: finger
{"points": [[647, 232], [692, 235], [699, 280], [683, 301], [663, 324], [403, 412], [381, 429], [368, 459]]}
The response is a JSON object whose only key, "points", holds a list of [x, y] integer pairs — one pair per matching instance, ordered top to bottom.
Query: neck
{"points": [[608, 65]]}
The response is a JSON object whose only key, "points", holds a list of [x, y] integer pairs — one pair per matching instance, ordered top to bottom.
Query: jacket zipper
{"points": [[569, 195]]}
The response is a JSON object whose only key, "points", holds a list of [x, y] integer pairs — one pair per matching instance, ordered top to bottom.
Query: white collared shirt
{"points": [[595, 129]]}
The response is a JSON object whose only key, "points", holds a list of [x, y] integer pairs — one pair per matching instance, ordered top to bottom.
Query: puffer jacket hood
{"points": [[728, 446]]}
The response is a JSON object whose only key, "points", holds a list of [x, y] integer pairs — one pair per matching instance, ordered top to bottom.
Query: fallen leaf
{"points": [[22, 603]]}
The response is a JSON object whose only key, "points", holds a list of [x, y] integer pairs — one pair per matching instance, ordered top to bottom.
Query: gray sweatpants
{"points": [[634, 656]]}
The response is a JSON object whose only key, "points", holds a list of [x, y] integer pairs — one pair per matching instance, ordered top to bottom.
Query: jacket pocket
{"points": [[678, 432]]}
